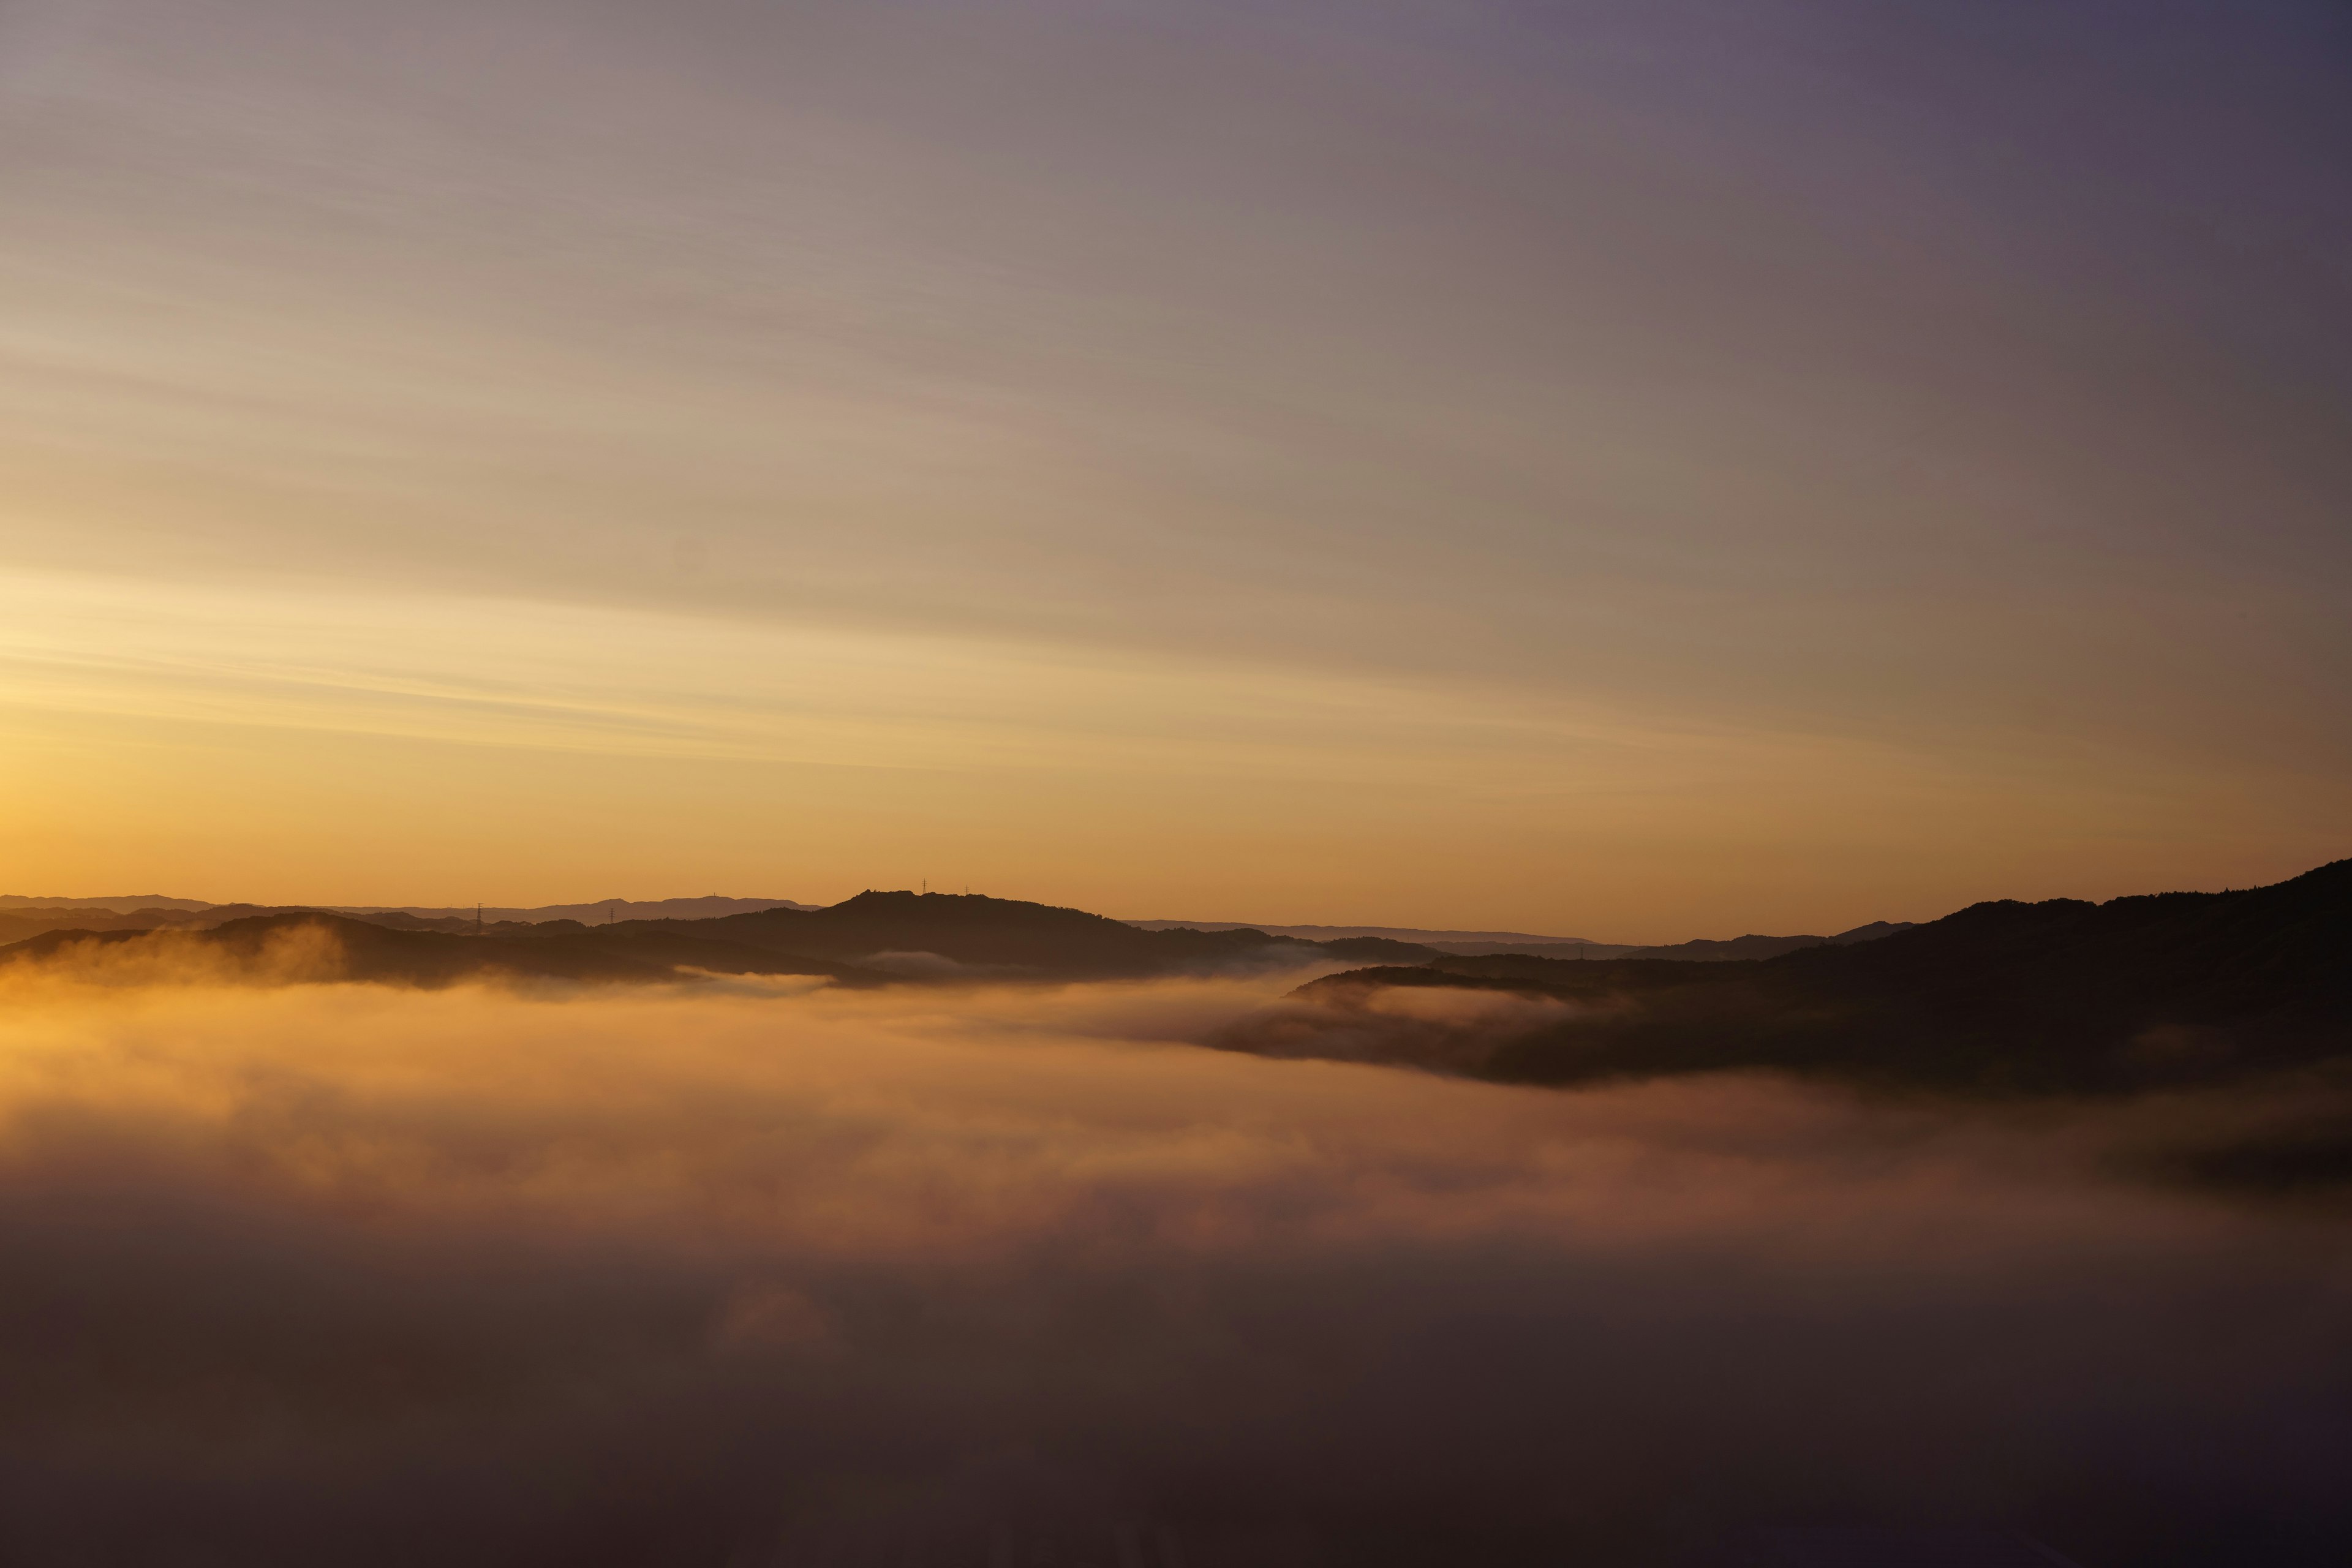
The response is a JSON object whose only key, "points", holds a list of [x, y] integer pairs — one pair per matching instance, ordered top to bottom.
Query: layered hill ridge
{"points": [[22, 917], [939, 935], [872, 939], [1474, 944], [273, 947], [2062, 994], [2058, 995]]}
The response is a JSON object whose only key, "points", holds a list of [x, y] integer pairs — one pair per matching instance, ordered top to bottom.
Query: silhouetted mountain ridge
{"points": [[1009, 937], [874, 938], [1479, 944], [2061, 994]]}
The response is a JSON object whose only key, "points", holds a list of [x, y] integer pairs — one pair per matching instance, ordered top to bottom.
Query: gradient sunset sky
{"points": [[1640, 469]]}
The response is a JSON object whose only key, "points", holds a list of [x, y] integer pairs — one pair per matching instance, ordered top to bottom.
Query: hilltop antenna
{"points": [[478, 920]]}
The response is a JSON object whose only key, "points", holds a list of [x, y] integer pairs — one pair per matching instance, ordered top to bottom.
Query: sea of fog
{"points": [[743, 1274]]}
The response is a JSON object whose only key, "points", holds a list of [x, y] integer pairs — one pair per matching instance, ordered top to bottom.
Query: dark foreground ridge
{"points": [[2172, 989]]}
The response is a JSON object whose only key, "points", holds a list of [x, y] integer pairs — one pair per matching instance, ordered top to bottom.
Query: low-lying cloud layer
{"points": [[747, 1272]]}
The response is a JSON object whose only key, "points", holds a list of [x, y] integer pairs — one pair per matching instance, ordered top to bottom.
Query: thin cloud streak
{"points": [[1963, 388], [292, 680]]}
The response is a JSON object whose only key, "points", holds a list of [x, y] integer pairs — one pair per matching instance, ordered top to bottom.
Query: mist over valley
{"points": [[946, 1225]]}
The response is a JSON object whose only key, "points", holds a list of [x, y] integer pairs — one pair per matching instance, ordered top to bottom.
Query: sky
{"points": [[1633, 471]]}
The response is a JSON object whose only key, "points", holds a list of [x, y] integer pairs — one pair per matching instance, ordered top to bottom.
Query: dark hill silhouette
{"points": [[596, 912], [1870, 933], [928, 935], [1419, 936], [1006, 937], [872, 939], [1474, 943], [690, 950], [1704, 950], [1727, 950], [2063, 996]]}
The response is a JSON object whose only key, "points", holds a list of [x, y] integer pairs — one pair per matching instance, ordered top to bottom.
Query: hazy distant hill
{"points": [[120, 903], [595, 913], [22, 917], [19, 921], [29, 921], [981, 932], [913, 936], [871, 939], [1438, 939], [1477, 942], [1739, 947], [371, 952], [2163, 989]]}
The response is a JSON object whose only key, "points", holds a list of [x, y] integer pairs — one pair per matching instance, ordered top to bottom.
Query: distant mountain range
{"points": [[117, 903], [707, 908], [655, 909], [979, 931], [1514, 938], [872, 939], [1471, 943], [373, 953], [2165, 990], [2168, 991]]}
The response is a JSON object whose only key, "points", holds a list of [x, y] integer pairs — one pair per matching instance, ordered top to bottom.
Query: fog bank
{"points": [[753, 1273]]}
